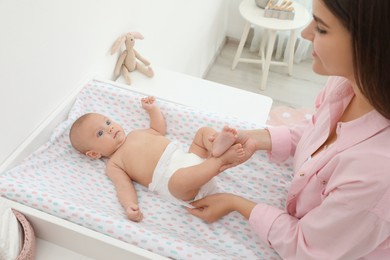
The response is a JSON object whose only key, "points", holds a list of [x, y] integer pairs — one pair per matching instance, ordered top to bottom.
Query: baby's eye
{"points": [[108, 122], [99, 133]]}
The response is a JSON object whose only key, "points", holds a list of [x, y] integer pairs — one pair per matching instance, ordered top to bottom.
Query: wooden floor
{"points": [[296, 91]]}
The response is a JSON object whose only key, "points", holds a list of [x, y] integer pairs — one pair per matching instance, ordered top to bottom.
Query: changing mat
{"points": [[63, 182]]}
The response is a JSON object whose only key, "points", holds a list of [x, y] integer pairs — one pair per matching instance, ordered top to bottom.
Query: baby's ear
{"points": [[93, 155]]}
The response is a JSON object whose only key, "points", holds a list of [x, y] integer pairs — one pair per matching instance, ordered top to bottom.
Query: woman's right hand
{"points": [[251, 140]]}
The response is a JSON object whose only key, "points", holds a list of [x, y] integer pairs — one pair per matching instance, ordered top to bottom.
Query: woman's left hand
{"points": [[212, 207]]}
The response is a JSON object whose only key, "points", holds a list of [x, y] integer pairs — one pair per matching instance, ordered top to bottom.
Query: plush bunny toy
{"points": [[127, 61]]}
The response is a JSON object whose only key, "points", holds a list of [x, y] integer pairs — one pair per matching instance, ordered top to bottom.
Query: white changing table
{"points": [[61, 239]]}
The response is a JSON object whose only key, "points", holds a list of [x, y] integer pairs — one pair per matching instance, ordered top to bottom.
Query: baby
{"points": [[149, 158]]}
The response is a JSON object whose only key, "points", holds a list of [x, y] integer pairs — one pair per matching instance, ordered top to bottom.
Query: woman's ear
{"points": [[93, 155]]}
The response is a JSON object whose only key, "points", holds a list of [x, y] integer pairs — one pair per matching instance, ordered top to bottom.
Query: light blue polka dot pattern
{"points": [[60, 181]]}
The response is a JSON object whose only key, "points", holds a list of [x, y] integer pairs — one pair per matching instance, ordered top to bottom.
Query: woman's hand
{"points": [[251, 141], [214, 207]]}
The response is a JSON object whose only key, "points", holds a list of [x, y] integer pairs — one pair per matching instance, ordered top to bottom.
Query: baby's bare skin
{"points": [[224, 140], [140, 153], [134, 157]]}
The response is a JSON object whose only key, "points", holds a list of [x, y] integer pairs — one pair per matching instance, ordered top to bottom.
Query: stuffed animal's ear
{"points": [[137, 35], [118, 43]]}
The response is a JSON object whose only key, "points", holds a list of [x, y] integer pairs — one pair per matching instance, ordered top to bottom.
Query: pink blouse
{"points": [[338, 204]]}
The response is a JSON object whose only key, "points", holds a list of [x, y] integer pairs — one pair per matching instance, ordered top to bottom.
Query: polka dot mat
{"points": [[60, 181]]}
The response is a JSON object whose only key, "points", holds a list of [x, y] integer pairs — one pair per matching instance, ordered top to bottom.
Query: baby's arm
{"points": [[157, 120], [125, 191]]}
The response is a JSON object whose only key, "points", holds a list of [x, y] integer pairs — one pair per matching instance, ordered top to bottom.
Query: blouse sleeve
{"points": [[284, 139]]}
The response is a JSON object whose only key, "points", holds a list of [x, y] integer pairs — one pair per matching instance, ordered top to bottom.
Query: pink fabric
{"points": [[283, 115], [338, 201]]}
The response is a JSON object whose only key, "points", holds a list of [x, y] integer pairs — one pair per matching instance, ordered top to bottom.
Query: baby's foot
{"points": [[224, 140], [249, 147], [233, 156]]}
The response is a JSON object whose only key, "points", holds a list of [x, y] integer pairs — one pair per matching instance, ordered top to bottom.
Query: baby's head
{"points": [[96, 135]]}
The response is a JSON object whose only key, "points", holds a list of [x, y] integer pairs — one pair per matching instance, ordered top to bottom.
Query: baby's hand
{"points": [[148, 103], [134, 213]]}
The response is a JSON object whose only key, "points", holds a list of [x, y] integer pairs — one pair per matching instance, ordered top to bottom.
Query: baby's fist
{"points": [[148, 102], [134, 213]]}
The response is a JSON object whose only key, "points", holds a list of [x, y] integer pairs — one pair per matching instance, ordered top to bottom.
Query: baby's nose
{"points": [[110, 128]]}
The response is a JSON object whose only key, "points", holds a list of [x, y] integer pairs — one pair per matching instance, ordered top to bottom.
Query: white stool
{"points": [[255, 16]]}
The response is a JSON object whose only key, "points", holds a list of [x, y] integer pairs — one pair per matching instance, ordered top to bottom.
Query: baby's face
{"points": [[102, 135]]}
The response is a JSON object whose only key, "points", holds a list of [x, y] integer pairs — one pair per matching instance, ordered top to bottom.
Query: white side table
{"points": [[255, 16]]}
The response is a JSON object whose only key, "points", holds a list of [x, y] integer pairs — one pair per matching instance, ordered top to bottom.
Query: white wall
{"points": [[236, 23], [49, 47]]}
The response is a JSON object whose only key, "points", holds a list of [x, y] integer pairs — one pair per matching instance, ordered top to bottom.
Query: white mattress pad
{"points": [[60, 181]]}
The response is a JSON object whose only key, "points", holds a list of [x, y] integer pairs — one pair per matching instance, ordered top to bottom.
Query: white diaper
{"points": [[171, 160]]}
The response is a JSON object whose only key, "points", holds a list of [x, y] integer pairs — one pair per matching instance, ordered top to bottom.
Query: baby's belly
{"points": [[141, 162]]}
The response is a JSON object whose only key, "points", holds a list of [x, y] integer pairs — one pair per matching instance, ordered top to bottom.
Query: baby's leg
{"points": [[224, 140], [201, 144], [186, 182]]}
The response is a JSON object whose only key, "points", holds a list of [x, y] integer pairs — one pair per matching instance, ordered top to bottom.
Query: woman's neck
{"points": [[358, 106]]}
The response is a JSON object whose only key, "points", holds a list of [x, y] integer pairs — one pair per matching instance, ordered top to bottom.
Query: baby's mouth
{"points": [[116, 133]]}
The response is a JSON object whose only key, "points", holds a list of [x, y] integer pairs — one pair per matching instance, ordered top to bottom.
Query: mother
{"points": [[338, 204]]}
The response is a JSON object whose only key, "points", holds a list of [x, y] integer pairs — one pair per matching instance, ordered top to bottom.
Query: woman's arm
{"points": [[261, 138], [214, 207], [333, 231]]}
